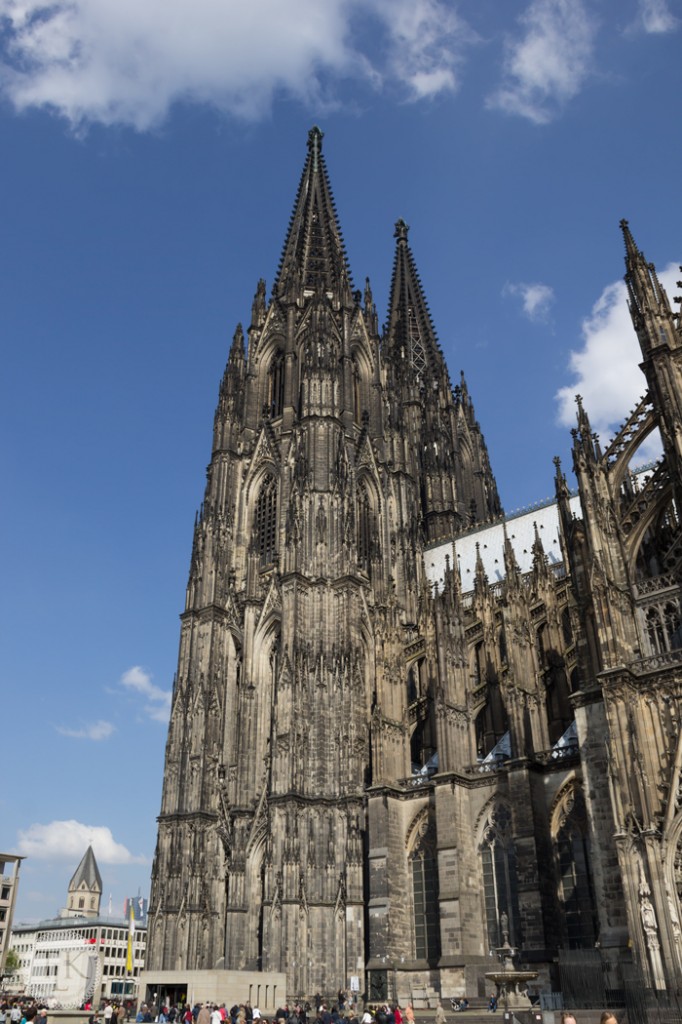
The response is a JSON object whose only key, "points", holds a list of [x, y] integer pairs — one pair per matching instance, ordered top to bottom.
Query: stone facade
{"points": [[375, 772]]}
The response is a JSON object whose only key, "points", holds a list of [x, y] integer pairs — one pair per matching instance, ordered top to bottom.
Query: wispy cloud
{"points": [[656, 17], [427, 39], [126, 62], [548, 64], [536, 299], [606, 368], [158, 703], [99, 730], [68, 840]]}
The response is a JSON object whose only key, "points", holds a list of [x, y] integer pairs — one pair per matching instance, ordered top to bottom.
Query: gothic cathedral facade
{"points": [[371, 774]]}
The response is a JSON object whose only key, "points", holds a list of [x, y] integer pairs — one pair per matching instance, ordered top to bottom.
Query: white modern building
{"points": [[9, 880], [79, 955]]}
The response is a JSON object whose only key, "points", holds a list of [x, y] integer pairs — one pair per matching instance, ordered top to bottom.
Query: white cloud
{"points": [[656, 16], [426, 41], [126, 61], [548, 65], [536, 299], [606, 369], [140, 681], [99, 730], [68, 840]]}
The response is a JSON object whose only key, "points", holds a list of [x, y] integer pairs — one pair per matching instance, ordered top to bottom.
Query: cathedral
{"points": [[409, 733]]}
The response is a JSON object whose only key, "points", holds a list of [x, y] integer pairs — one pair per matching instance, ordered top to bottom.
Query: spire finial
{"points": [[315, 136], [401, 229], [630, 245]]}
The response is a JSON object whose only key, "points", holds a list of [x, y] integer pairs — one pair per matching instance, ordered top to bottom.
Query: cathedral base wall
{"points": [[266, 990]]}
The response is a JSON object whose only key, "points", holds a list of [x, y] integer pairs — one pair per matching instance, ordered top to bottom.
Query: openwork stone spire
{"points": [[314, 256], [410, 334]]}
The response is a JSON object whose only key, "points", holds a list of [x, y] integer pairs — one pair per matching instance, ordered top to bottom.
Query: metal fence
{"points": [[582, 978], [586, 984], [647, 1005]]}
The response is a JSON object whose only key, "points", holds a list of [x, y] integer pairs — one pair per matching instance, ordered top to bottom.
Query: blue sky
{"points": [[150, 158]]}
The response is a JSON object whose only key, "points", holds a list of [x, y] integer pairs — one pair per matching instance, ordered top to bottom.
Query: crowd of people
{"points": [[23, 1011], [343, 1011]]}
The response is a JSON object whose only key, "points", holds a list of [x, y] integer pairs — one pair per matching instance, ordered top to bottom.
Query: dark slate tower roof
{"points": [[314, 255], [88, 872]]}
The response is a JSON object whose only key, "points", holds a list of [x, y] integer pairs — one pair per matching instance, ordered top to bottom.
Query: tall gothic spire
{"points": [[314, 256], [649, 306], [410, 334]]}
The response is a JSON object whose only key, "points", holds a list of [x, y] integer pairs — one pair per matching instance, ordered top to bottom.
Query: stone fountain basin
{"points": [[508, 983]]}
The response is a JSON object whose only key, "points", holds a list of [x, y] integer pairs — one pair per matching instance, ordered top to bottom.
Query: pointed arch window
{"points": [[357, 390], [276, 403], [265, 522], [364, 531], [663, 627], [542, 639], [478, 665], [414, 680], [557, 702], [491, 723], [572, 852], [500, 884], [426, 914]]}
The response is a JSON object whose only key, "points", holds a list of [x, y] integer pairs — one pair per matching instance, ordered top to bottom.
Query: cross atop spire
{"points": [[314, 257]]}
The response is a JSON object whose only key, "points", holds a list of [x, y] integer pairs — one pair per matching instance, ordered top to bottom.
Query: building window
{"points": [[276, 403], [266, 522], [364, 531], [663, 627], [542, 636], [414, 681], [491, 724], [571, 843], [500, 886], [425, 896]]}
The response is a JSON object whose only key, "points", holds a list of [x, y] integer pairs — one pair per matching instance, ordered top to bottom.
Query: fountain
{"points": [[508, 979]]}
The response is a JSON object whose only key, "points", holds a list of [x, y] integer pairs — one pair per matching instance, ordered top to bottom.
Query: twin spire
{"points": [[314, 256], [314, 261], [410, 334]]}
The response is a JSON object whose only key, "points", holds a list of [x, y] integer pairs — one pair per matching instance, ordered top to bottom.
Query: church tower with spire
{"points": [[338, 454], [85, 889]]}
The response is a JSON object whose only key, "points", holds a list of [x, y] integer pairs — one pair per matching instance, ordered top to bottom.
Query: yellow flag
{"points": [[131, 936]]}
